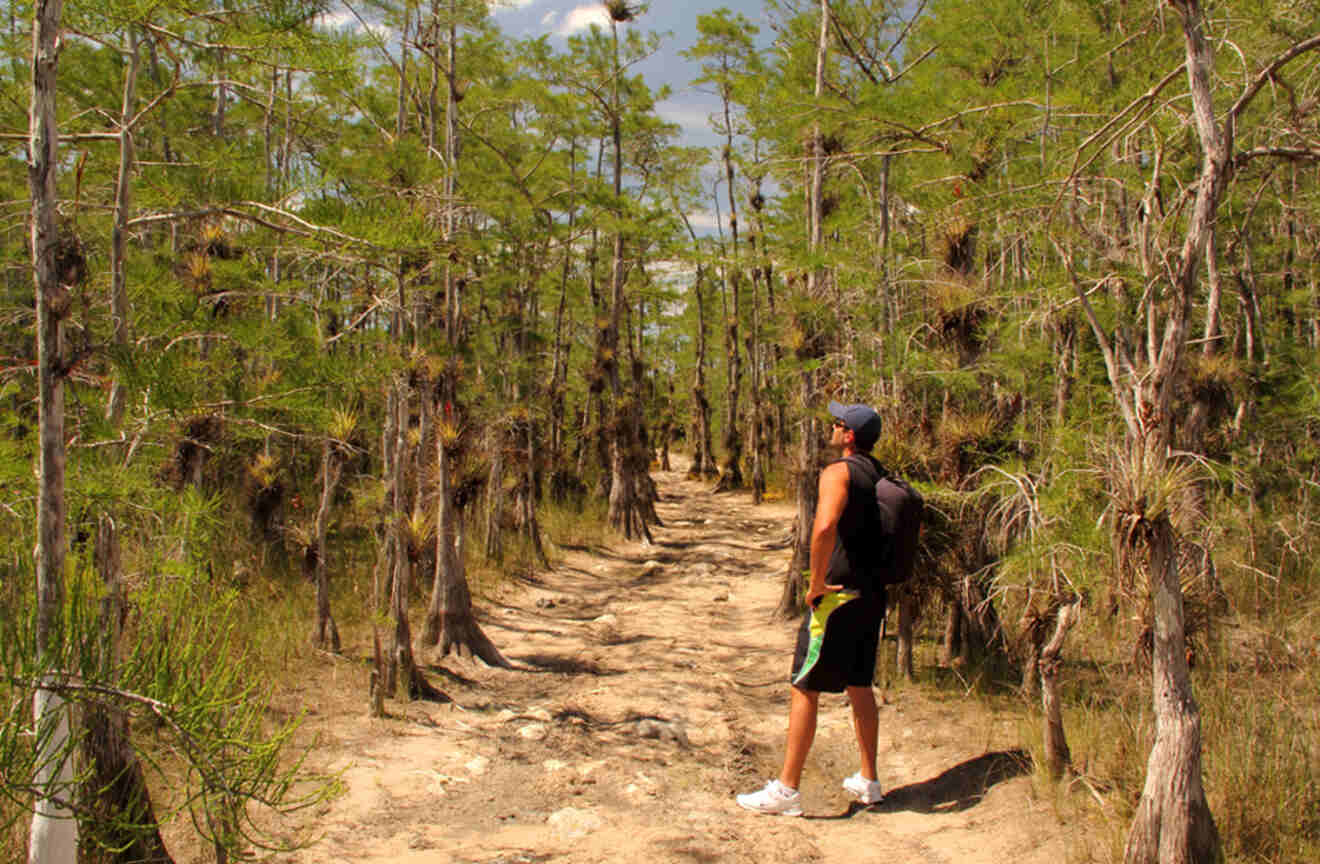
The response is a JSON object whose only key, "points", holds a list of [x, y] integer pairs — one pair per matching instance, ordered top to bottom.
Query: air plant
{"points": [[623, 11], [343, 423]]}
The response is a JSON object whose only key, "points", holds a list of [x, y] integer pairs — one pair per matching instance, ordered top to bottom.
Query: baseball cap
{"points": [[862, 420]]}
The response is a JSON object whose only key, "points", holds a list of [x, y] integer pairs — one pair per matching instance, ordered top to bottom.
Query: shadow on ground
{"points": [[961, 787]]}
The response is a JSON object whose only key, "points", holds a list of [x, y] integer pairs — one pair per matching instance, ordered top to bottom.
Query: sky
{"points": [[677, 18], [676, 23]]}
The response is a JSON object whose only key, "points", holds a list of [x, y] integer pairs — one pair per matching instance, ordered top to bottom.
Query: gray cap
{"points": [[862, 420]]}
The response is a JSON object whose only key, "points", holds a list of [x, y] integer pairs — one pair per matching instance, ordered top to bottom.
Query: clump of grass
{"points": [[568, 525], [1262, 758]]}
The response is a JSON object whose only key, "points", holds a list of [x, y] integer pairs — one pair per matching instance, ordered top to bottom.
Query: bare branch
{"points": [[1266, 74], [1298, 153], [1106, 348]]}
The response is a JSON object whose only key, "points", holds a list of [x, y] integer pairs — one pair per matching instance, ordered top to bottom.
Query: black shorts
{"points": [[837, 642]]}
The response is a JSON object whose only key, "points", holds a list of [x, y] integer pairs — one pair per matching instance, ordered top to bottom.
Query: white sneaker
{"points": [[865, 791], [775, 799]]}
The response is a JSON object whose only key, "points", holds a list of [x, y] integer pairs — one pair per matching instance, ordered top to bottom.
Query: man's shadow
{"points": [[960, 787]]}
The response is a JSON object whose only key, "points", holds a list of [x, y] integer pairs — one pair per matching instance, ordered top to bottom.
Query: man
{"points": [[840, 633]]}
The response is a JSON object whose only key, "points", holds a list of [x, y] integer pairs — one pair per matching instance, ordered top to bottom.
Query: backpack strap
{"points": [[872, 467]]}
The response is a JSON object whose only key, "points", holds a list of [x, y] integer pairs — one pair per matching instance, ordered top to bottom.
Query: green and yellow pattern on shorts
{"points": [[820, 615]]}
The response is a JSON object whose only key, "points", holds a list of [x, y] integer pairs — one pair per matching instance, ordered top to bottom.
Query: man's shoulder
{"points": [[865, 461], [836, 472]]}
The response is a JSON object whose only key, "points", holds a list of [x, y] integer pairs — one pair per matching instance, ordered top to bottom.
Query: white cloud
{"points": [[499, 5], [342, 18], [582, 18], [338, 20], [549, 20], [687, 116], [703, 220]]}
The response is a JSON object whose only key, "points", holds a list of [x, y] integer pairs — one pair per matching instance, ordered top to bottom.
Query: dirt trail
{"points": [[650, 688]]}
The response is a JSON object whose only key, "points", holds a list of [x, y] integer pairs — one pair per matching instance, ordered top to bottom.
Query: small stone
{"points": [[721, 597], [546, 603], [607, 618], [540, 714], [505, 716], [664, 730], [533, 732], [553, 765], [477, 766], [587, 769], [572, 823]]}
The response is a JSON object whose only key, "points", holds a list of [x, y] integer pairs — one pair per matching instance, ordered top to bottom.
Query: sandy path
{"points": [[650, 689]]}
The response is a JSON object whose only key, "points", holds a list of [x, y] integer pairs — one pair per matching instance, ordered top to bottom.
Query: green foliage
{"points": [[294, 244], [182, 677]]}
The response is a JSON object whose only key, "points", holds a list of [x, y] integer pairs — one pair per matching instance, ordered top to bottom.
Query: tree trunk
{"points": [[221, 94], [401, 100], [453, 149], [118, 233], [562, 346], [1065, 349], [754, 360], [761, 363], [1203, 409], [703, 464], [731, 476], [645, 493], [495, 496], [624, 514], [530, 524], [790, 601], [907, 607], [450, 620], [982, 631], [325, 634], [1035, 637], [951, 645], [400, 666], [402, 670], [381, 681], [1057, 756], [1173, 822], [123, 823], [54, 834]]}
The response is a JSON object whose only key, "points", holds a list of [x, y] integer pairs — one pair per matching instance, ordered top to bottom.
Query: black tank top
{"points": [[855, 551]]}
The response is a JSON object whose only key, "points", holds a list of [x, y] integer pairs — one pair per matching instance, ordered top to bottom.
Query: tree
{"points": [[726, 44], [618, 100], [57, 267], [809, 339], [334, 451], [625, 514], [1173, 820]]}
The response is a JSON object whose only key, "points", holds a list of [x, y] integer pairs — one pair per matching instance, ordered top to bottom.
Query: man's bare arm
{"points": [[832, 497]]}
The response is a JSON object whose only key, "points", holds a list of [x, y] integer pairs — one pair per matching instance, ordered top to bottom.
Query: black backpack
{"points": [[899, 509]]}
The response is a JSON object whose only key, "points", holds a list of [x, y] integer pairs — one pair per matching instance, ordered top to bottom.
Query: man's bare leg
{"points": [[866, 723], [801, 732]]}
